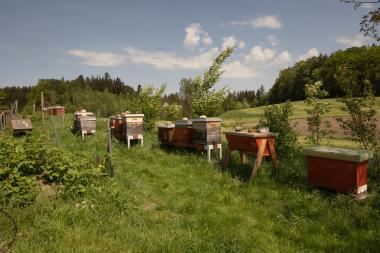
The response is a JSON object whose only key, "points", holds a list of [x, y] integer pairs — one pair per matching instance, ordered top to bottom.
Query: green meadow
{"points": [[173, 200]]}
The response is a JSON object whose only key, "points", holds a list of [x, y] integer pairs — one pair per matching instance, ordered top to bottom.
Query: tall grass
{"points": [[175, 201]]}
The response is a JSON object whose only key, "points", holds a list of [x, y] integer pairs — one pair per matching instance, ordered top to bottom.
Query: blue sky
{"points": [[163, 41]]}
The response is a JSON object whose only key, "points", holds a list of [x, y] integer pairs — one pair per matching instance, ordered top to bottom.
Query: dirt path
{"points": [[301, 126]]}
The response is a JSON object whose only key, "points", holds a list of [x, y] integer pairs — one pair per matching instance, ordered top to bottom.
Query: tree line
{"points": [[344, 72]]}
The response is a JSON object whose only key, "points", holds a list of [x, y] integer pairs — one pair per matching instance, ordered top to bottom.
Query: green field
{"points": [[252, 115], [175, 201]]}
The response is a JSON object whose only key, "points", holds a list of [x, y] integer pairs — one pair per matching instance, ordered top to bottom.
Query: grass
{"points": [[251, 116], [175, 201]]}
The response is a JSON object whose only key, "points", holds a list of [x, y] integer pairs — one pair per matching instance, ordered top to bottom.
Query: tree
{"points": [[370, 21], [186, 87], [205, 100], [149, 103], [317, 108], [362, 122]]}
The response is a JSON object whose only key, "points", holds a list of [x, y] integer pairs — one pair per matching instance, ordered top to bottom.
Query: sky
{"points": [[163, 41]]}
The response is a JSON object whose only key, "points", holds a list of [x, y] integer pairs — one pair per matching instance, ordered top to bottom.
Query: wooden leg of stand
{"points": [[259, 158]]}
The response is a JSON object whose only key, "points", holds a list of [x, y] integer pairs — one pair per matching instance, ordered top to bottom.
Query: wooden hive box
{"points": [[56, 110], [85, 122], [116, 124], [133, 124], [21, 126], [206, 131], [166, 133], [182, 136], [338, 169]]}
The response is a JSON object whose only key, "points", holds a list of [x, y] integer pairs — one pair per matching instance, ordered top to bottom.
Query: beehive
{"points": [[56, 110], [85, 122], [116, 123], [132, 124], [21, 126], [206, 131], [183, 132], [166, 133], [342, 170]]}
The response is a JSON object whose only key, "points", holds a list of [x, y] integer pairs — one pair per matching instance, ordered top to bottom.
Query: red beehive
{"points": [[56, 110], [116, 124], [166, 133], [183, 133], [338, 169]]}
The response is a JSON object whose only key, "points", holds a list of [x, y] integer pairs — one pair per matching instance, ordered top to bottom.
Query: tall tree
{"points": [[370, 21]]}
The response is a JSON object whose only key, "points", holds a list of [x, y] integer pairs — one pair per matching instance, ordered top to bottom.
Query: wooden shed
{"points": [[84, 122], [21, 126], [206, 131]]}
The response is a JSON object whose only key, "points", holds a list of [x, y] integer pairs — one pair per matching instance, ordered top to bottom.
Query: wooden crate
{"points": [[56, 110], [84, 122], [116, 124], [133, 124], [21, 126], [183, 130], [206, 131], [165, 134], [338, 169]]}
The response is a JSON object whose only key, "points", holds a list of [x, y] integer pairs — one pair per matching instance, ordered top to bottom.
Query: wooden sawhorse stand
{"points": [[259, 144]]}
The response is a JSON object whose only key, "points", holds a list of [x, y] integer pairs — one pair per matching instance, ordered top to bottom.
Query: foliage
{"points": [[370, 21], [341, 71], [186, 87], [205, 100], [149, 103], [172, 111], [315, 112], [276, 118], [362, 122], [25, 161]]}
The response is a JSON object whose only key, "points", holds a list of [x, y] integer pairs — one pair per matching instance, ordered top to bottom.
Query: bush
{"points": [[149, 103], [276, 118], [26, 160]]}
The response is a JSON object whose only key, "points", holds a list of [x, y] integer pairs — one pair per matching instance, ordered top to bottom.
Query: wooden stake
{"points": [[42, 109], [54, 131], [109, 148]]}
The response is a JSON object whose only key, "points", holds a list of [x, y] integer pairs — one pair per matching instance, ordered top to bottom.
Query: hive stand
{"points": [[135, 137], [258, 144], [208, 148]]}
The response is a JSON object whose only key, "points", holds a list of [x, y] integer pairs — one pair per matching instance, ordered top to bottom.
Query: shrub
{"points": [[149, 103], [317, 108], [276, 118], [361, 125], [26, 160]]}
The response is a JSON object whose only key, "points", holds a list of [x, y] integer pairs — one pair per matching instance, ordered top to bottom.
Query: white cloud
{"points": [[367, 5], [269, 21], [195, 35], [273, 40], [231, 41], [353, 41], [310, 53], [259, 54], [283, 58], [97, 59], [167, 60], [238, 70]]}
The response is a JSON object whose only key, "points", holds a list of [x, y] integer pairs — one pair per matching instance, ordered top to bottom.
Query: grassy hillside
{"points": [[251, 116], [175, 201]]}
